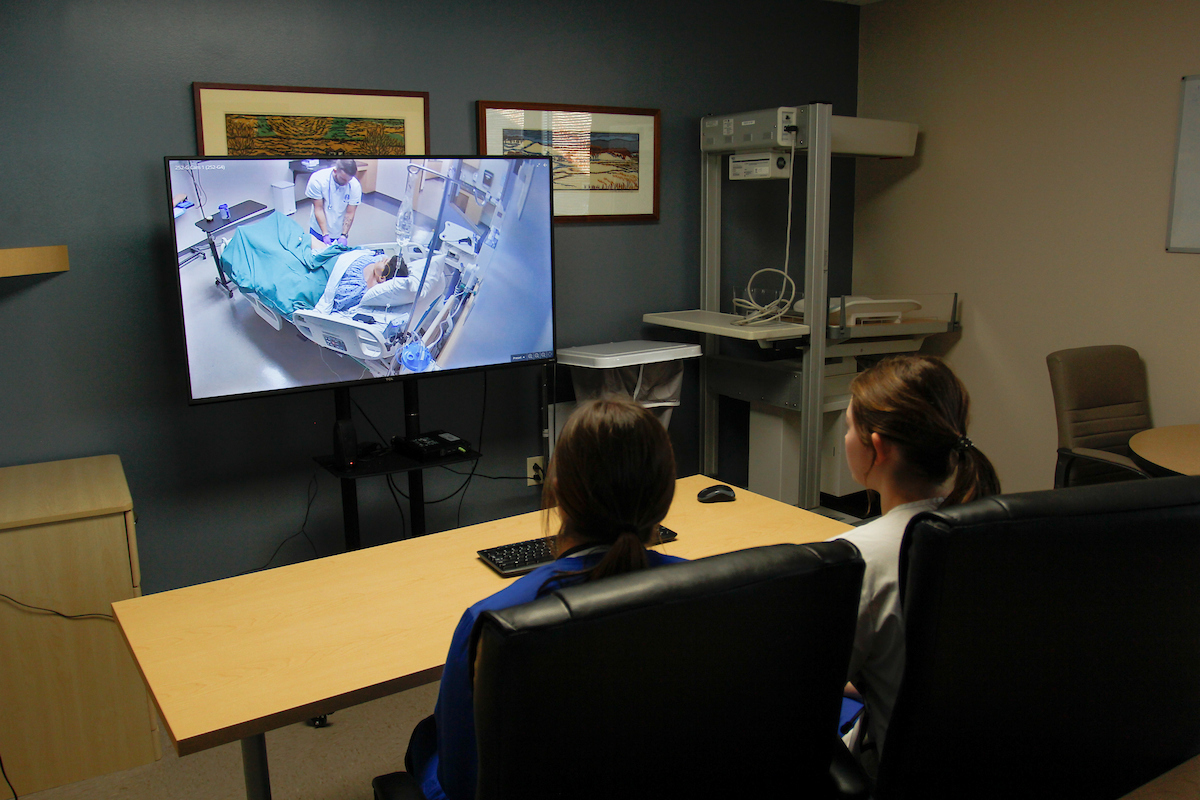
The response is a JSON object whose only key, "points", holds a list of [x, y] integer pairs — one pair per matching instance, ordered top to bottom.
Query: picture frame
{"points": [[309, 121], [606, 159], [1183, 220]]}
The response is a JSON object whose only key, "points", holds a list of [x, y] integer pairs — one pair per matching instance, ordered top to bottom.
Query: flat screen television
{"points": [[299, 273]]}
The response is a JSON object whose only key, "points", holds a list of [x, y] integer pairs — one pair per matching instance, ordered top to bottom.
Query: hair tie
{"points": [[963, 444]]}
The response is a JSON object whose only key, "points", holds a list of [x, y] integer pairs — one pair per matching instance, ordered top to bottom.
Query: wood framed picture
{"points": [[285, 121], [606, 159], [1183, 223]]}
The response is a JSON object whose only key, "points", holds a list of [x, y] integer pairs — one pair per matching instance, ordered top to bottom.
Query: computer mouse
{"points": [[716, 494]]}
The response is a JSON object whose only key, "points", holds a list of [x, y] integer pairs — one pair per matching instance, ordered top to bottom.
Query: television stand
{"points": [[385, 463]]}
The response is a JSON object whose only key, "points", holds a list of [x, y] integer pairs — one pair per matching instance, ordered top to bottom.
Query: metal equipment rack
{"points": [[792, 391]]}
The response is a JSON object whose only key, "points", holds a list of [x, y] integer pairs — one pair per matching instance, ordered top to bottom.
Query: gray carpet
{"points": [[332, 763]]}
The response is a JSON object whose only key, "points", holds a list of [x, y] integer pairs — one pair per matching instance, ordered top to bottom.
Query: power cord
{"points": [[759, 314], [479, 446], [537, 471], [394, 490], [312, 495], [17, 602], [30, 607], [7, 781]]}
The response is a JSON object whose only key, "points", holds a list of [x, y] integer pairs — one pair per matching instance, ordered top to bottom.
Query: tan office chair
{"points": [[1100, 401]]}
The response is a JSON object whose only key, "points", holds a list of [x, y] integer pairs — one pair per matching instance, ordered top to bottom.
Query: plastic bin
{"points": [[283, 193], [649, 372]]}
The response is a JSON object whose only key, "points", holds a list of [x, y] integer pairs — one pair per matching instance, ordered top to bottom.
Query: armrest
{"points": [[1068, 454], [847, 776], [396, 786]]}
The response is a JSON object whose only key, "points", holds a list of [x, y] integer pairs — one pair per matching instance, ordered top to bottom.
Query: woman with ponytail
{"points": [[906, 440], [610, 484]]}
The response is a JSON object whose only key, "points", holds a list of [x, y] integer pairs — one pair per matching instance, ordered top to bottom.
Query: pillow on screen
{"points": [[394, 292]]}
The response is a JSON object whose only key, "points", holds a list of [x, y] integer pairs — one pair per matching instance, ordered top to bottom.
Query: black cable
{"points": [[382, 438], [479, 447], [489, 477], [394, 489], [312, 495], [17, 602], [6, 780]]}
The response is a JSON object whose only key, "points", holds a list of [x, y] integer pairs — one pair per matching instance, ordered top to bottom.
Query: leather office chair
{"points": [[1100, 401], [1053, 644], [716, 677]]}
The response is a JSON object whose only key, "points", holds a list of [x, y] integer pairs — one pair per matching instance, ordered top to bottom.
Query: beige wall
{"points": [[1040, 192]]}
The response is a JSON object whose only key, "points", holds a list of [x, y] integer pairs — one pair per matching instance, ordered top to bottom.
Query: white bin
{"points": [[283, 193], [649, 372]]}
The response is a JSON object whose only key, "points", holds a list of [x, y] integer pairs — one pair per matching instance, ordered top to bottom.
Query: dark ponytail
{"points": [[919, 404], [974, 476], [612, 479]]}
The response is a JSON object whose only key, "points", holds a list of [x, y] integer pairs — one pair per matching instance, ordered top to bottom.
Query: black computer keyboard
{"points": [[511, 560]]}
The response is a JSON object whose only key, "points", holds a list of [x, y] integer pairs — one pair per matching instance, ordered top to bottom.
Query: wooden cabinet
{"points": [[74, 704]]}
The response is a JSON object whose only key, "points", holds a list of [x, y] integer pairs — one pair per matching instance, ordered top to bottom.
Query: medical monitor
{"points": [[303, 273]]}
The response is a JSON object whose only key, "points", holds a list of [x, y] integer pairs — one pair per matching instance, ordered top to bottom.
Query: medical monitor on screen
{"points": [[302, 273]]}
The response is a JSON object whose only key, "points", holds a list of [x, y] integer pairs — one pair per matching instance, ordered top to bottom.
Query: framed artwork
{"points": [[232, 119], [606, 160], [1183, 224]]}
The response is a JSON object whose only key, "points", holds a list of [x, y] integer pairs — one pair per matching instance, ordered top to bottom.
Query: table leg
{"points": [[254, 766]]}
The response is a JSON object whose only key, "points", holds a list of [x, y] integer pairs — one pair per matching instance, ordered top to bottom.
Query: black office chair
{"points": [[1100, 401], [1053, 644], [716, 677]]}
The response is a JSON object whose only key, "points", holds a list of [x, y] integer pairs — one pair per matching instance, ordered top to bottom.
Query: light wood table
{"points": [[1175, 448], [235, 658], [1181, 783]]}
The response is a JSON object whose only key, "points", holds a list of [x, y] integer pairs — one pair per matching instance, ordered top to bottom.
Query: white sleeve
{"points": [[316, 185], [355, 193]]}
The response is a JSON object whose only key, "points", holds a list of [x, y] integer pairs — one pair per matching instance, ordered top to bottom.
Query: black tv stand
{"points": [[348, 467]]}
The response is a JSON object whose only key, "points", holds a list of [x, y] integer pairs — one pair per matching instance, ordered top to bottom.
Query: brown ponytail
{"points": [[919, 404], [612, 479]]}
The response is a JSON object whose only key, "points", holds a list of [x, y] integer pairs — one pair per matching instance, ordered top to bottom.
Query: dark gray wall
{"points": [[91, 361]]}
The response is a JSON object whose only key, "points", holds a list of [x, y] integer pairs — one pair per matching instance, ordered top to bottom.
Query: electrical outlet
{"points": [[535, 468]]}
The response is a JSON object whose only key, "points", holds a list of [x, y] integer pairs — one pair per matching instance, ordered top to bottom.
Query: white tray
{"points": [[626, 354]]}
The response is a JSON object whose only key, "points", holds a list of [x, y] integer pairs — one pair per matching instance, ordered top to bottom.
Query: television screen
{"points": [[299, 273]]}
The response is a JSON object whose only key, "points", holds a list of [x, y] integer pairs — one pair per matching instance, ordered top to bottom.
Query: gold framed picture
{"points": [[235, 119]]}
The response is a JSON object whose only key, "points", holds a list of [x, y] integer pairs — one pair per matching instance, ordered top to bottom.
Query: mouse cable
{"points": [[312, 495]]}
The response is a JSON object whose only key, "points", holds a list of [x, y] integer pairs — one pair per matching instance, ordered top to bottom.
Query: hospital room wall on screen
{"points": [[446, 265]]}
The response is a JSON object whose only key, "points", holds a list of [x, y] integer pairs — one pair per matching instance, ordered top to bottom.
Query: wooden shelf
{"points": [[33, 260]]}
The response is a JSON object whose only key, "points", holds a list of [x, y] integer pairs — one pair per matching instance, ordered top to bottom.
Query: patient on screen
{"points": [[365, 272], [906, 439], [612, 478]]}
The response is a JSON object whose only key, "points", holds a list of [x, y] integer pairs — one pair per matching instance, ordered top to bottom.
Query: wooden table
{"points": [[1174, 449], [238, 657], [1181, 783]]}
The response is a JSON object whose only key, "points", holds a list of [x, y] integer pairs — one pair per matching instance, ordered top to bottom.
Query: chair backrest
{"points": [[1100, 400], [1053, 644], [721, 675]]}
